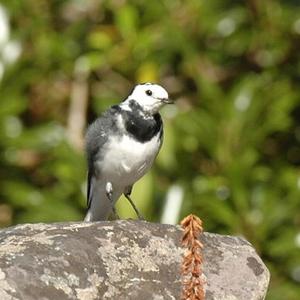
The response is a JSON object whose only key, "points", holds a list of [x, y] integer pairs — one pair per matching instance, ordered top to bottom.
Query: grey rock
{"points": [[120, 260]]}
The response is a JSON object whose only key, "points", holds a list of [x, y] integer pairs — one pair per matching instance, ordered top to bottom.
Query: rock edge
{"points": [[120, 260]]}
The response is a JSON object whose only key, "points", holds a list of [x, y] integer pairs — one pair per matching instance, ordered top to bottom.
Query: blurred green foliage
{"points": [[231, 142]]}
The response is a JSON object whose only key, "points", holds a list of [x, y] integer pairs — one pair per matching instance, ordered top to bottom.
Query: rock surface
{"points": [[120, 260]]}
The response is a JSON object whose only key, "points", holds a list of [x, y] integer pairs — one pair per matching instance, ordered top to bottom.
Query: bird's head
{"points": [[151, 97]]}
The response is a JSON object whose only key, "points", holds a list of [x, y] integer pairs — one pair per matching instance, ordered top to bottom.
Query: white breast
{"points": [[127, 160]]}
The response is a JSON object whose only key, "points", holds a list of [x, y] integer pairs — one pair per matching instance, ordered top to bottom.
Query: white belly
{"points": [[127, 160]]}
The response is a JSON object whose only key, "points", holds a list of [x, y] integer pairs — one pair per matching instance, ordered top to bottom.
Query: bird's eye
{"points": [[149, 93]]}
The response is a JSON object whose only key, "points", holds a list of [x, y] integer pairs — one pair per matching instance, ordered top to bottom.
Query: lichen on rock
{"points": [[120, 260]]}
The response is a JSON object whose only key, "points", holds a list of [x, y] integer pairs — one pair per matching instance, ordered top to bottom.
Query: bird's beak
{"points": [[167, 100]]}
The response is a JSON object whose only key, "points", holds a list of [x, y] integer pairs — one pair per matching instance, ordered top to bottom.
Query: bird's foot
{"points": [[109, 195], [115, 214], [140, 217]]}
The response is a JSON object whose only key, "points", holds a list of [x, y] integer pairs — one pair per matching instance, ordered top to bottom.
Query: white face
{"points": [[150, 96]]}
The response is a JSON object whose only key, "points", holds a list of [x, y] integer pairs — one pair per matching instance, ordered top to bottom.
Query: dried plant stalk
{"points": [[191, 269]]}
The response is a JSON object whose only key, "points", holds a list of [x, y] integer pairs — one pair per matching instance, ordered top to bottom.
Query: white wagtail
{"points": [[121, 146]]}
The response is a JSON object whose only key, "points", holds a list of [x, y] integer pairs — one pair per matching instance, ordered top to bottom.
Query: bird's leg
{"points": [[109, 192], [127, 195]]}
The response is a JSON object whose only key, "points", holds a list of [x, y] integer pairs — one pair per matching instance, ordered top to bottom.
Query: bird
{"points": [[121, 146]]}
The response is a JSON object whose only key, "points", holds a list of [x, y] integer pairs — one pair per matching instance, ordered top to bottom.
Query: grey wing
{"points": [[96, 137], [89, 189]]}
